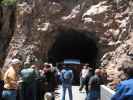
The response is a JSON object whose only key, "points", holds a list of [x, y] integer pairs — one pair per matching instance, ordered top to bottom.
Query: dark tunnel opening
{"points": [[72, 44]]}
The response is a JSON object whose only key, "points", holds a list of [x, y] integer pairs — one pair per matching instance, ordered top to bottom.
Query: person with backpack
{"points": [[66, 80]]}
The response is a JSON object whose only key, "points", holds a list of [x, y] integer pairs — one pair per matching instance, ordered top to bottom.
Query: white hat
{"points": [[16, 61]]}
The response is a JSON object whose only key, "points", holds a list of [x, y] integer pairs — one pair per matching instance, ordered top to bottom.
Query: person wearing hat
{"points": [[11, 80]]}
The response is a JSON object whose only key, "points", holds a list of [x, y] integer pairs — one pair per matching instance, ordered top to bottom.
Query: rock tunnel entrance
{"points": [[72, 44]]}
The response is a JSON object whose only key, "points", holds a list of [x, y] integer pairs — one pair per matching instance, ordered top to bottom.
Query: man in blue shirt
{"points": [[66, 79], [124, 90]]}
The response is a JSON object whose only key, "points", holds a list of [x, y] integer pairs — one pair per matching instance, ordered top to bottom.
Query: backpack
{"points": [[68, 74]]}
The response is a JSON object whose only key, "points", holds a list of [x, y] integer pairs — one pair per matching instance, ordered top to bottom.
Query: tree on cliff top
{"points": [[8, 2]]}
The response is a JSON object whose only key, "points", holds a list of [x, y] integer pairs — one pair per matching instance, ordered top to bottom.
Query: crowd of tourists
{"points": [[90, 79], [27, 81]]}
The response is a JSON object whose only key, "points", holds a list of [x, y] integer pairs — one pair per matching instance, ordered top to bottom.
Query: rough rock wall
{"points": [[37, 23], [7, 24], [114, 60]]}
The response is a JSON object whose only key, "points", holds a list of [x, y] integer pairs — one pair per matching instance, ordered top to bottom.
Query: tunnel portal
{"points": [[72, 44]]}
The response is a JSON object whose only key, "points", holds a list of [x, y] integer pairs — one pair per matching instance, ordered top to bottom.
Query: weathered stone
{"points": [[38, 23], [7, 24]]}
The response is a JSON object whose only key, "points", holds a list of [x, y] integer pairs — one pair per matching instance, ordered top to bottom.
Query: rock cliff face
{"points": [[107, 24], [7, 27]]}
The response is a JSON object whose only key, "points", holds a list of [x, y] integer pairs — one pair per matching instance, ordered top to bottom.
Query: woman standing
{"points": [[11, 79]]}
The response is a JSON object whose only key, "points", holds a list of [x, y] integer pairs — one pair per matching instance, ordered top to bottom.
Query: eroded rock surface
{"points": [[38, 21], [7, 27]]}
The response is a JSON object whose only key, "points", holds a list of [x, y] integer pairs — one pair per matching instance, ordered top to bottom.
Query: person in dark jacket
{"points": [[90, 74], [28, 85], [94, 86], [124, 90]]}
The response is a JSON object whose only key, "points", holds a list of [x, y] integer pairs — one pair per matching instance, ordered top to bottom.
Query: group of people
{"points": [[92, 79], [27, 82], [32, 82]]}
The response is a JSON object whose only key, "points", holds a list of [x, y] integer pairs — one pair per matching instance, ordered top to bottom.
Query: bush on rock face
{"points": [[8, 2]]}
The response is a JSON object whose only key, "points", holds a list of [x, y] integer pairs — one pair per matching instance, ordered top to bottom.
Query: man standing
{"points": [[83, 75], [89, 75], [66, 79], [11, 80], [28, 85], [94, 86]]}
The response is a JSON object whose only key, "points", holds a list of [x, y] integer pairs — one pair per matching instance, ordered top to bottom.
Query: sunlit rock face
{"points": [[108, 24]]}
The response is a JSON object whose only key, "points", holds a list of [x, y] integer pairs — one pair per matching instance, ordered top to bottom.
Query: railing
{"points": [[106, 93]]}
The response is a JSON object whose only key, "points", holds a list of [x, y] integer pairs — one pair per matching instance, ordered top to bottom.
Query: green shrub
{"points": [[8, 2]]}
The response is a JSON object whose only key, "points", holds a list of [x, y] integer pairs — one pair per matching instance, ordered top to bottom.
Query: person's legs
{"points": [[81, 84], [34, 87], [86, 87], [1, 88], [31, 91], [63, 92], [70, 92], [5, 95], [9, 95], [13, 95], [94, 95], [87, 96]]}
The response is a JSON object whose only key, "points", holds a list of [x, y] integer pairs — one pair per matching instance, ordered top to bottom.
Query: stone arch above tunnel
{"points": [[73, 44]]}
